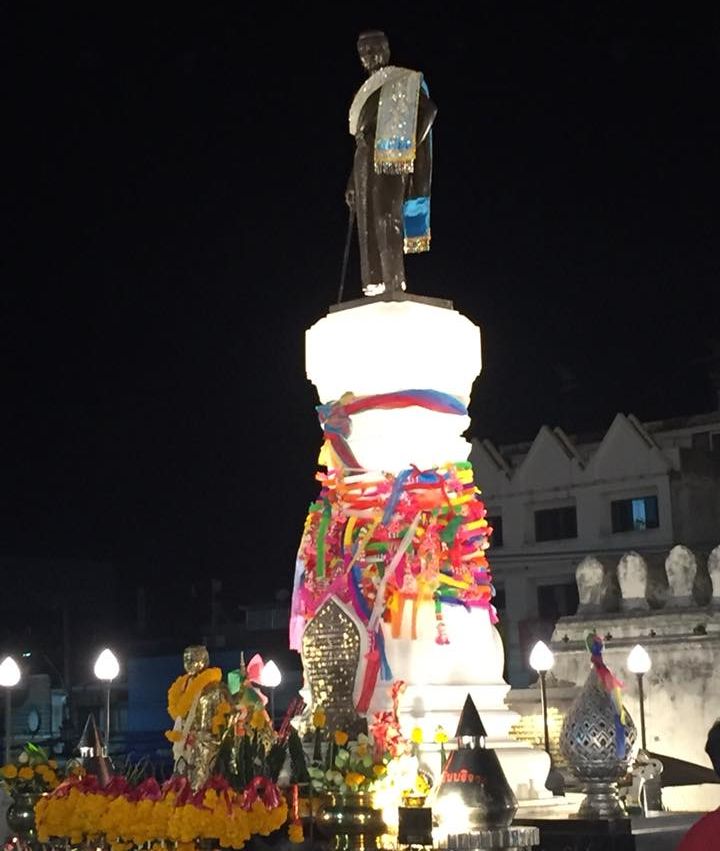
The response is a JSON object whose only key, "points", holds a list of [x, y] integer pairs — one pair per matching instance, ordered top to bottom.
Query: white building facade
{"points": [[640, 486]]}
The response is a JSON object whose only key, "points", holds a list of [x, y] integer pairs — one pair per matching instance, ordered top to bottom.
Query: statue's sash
{"points": [[395, 135]]}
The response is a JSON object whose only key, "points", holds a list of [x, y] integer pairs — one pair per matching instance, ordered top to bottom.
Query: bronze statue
{"points": [[389, 189], [198, 701]]}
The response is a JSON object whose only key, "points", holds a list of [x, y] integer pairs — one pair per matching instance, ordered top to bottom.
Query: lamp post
{"points": [[542, 660], [639, 663], [106, 669], [9, 677], [271, 678]]}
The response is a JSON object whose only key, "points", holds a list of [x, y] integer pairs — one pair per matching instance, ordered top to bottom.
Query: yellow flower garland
{"points": [[186, 687], [79, 815]]}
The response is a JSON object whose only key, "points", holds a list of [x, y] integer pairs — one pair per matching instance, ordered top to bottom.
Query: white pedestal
{"points": [[379, 347]]}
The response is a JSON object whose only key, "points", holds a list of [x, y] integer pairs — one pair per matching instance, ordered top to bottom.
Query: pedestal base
{"points": [[601, 801], [643, 833], [511, 838]]}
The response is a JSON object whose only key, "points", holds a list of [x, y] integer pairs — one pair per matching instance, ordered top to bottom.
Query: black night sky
{"points": [[173, 180]]}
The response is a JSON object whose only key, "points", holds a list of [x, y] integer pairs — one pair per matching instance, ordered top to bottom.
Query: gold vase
{"points": [[21, 814], [350, 822]]}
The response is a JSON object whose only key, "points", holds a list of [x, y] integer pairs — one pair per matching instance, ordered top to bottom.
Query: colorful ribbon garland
{"points": [[337, 426], [612, 686]]}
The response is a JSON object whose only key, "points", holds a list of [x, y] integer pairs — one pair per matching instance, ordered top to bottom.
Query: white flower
{"points": [[23, 758]]}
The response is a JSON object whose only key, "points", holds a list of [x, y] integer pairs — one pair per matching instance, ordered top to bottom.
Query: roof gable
{"points": [[627, 450], [551, 462], [490, 471]]}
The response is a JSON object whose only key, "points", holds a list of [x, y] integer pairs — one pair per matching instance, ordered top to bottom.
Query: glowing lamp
{"points": [[541, 657], [542, 660], [638, 660], [639, 663], [107, 666], [106, 669], [9, 672], [270, 676], [9, 677]]}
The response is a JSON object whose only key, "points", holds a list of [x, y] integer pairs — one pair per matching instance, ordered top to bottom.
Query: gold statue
{"points": [[199, 704]]}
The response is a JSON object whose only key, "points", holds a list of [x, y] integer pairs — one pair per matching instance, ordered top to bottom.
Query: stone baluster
{"points": [[713, 566], [681, 569], [632, 574], [591, 585]]}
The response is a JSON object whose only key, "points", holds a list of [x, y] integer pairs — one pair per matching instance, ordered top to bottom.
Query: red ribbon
{"points": [[372, 669], [181, 787], [262, 789], [148, 790]]}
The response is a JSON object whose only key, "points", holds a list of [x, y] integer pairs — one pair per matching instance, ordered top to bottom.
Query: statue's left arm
{"points": [[419, 182]]}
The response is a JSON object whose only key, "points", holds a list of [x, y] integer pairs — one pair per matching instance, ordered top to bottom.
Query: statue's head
{"points": [[373, 50], [195, 659]]}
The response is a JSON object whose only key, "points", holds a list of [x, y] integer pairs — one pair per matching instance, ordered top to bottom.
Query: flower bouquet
{"points": [[32, 773], [28, 780], [361, 782]]}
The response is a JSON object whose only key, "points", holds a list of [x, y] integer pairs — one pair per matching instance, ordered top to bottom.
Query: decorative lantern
{"points": [[597, 738], [473, 775]]}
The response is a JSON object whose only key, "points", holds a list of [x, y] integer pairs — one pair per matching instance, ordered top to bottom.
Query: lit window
{"points": [[635, 514]]}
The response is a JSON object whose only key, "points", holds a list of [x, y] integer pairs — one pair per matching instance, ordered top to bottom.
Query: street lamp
{"points": [[542, 660], [639, 663], [106, 669], [9, 677], [270, 678]]}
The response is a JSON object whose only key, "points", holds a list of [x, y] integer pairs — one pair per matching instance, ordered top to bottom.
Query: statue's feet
{"points": [[374, 289], [379, 289]]}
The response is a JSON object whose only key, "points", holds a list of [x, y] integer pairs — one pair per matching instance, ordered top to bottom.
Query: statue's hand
{"points": [[350, 197]]}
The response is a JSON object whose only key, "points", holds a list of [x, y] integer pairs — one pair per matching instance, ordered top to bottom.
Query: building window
{"points": [[701, 440], [634, 514], [554, 524], [496, 539], [557, 601]]}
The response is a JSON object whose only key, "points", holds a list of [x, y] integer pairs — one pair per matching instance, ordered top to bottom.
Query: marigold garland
{"points": [[186, 687], [129, 817]]}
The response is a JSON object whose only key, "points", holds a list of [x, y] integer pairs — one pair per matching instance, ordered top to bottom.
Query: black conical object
{"points": [[470, 723], [91, 740], [94, 761], [476, 776]]}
